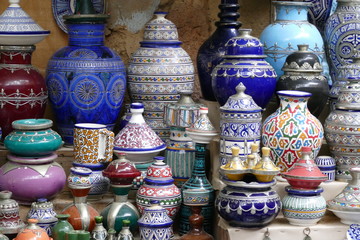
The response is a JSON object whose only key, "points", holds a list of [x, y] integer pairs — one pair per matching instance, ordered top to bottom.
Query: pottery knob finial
{"points": [[14, 2], [303, 47], [240, 88], [254, 147], [235, 151], [265, 151]]}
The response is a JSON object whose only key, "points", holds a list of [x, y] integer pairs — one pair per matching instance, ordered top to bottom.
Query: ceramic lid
{"points": [[161, 30], [244, 46], [302, 61], [240, 102], [32, 124], [202, 131], [235, 163], [265, 166], [159, 172], [42, 204], [155, 216], [32, 232]]}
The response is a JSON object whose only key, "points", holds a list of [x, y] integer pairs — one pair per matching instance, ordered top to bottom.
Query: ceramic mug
{"points": [[93, 143]]}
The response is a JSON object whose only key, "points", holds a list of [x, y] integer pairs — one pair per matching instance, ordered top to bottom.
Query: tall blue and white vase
{"points": [[320, 11], [291, 28], [244, 61], [158, 70], [86, 80], [240, 124], [180, 149]]}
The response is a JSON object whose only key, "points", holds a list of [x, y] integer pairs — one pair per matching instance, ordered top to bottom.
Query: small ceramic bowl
{"points": [[234, 175], [264, 176], [347, 217]]}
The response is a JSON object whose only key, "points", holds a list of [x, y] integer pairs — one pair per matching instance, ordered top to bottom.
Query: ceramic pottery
{"points": [[319, 12], [18, 28], [290, 28], [340, 28], [212, 50], [244, 62], [158, 70], [303, 72], [86, 80], [23, 90], [125, 118], [240, 124], [342, 126], [291, 127], [32, 138], [137, 139], [93, 144], [180, 150], [327, 166], [236, 168], [265, 169], [121, 173], [304, 174], [32, 178], [101, 184], [159, 185], [196, 197], [248, 205], [346, 205], [303, 207], [43, 211], [82, 215], [10, 221], [196, 223], [155, 224], [61, 227], [32, 232], [99, 232], [353, 232], [125, 233], [77, 235], [3, 237]]}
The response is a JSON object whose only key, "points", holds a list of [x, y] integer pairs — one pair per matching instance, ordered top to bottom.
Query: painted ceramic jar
{"points": [[290, 28], [340, 29], [212, 50], [244, 62], [158, 70], [303, 72], [86, 80], [240, 124], [291, 127], [32, 138], [137, 139], [180, 150], [327, 166], [121, 173], [32, 178], [159, 185], [248, 205], [346, 205], [303, 207], [43, 211], [82, 215], [10, 221], [155, 223], [61, 227], [32, 232], [99, 232], [3, 237]]}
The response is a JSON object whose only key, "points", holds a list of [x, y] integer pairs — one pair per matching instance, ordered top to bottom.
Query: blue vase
{"points": [[320, 11], [290, 29], [212, 50], [244, 62], [86, 80]]}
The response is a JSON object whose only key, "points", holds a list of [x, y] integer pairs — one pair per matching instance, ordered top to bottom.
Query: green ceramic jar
{"points": [[32, 138], [62, 227]]}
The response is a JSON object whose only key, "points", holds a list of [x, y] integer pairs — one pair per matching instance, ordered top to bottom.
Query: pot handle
{"points": [[109, 145]]}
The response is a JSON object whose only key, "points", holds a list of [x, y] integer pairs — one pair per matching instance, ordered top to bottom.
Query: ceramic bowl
{"points": [[22, 39], [140, 156], [234, 175], [264, 176], [196, 197], [347, 217]]}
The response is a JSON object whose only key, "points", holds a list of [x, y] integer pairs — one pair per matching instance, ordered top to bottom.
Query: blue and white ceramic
{"points": [[320, 11], [291, 28], [244, 62], [158, 70], [86, 80], [240, 124], [327, 166], [43, 211], [353, 233]]}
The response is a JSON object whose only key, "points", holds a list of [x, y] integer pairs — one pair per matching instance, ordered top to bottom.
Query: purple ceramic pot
{"points": [[32, 178]]}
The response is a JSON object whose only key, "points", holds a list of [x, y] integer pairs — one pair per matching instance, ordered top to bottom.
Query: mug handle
{"points": [[109, 145]]}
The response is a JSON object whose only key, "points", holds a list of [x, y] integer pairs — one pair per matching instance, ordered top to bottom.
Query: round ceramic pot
{"points": [[244, 62], [85, 79], [291, 127], [32, 138], [327, 166], [32, 178], [248, 205], [303, 207], [43, 211], [10, 221], [32, 232]]}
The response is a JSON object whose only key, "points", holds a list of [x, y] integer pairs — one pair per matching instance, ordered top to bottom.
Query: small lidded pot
{"points": [[236, 168], [265, 170], [32, 232]]}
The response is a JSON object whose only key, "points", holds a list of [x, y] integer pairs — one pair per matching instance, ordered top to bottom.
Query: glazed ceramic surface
{"points": [[320, 11], [289, 29], [212, 50], [244, 62], [158, 70], [86, 80], [240, 124], [291, 127], [32, 138], [327, 166], [43, 211], [10, 221], [61, 227], [32, 232], [99, 232], [353, 232], [125, 233]]}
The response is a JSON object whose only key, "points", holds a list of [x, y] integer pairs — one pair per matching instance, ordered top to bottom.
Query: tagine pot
{"points": [[32, 232]]}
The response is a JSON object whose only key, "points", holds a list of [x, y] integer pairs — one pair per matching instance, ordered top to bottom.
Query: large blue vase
{"points": [[291, 28], [212, 50], [244, 61], [86, 80]]}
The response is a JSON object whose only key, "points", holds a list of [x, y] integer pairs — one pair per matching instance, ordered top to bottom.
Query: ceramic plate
{"points": [[67, 7], [353, 233]]}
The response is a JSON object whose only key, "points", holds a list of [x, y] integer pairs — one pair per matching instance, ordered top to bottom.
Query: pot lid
{"points": [[302, 61], [121, 168], [159, 172], [155, 216]]}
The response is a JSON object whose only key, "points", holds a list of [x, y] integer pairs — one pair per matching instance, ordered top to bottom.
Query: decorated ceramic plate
{"points": [[67, 7], [353, 233]]}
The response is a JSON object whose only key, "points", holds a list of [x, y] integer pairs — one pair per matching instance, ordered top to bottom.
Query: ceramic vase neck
{"points": [[291, 11], [229, 14], [86, 35], [16, 54], [293, 104], [136, 116], [199, 164], [355, 174], [79, 200]]}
